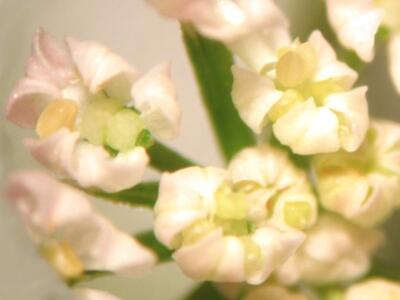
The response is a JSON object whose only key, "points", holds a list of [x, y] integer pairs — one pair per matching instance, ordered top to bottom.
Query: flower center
{"points": [[63, 258]]}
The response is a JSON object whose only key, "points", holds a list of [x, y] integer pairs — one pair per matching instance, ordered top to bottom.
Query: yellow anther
{"points": [[295, 66], [58, 114], [297, 214], [63, 258]]}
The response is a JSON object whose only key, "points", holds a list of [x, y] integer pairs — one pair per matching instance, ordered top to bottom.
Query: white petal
{"points": [[356, 23], [325, 53], [394, 60], [50, 61], [101, 69], [339, 72], [154, 95], [253, 96], [28, 99], [352, 107], [308, 129], [89, 165], [43, 202], [101, 246], [276, 246], [199, 260], [373, 289], [90, 294]]}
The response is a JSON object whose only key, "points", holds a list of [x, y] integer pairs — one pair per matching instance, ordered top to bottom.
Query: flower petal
{"points": [[356, 23], [394, 60], [50, 61], [101, 69], [154, 95], [253, 96], [28, 99], [352, 110], [308, 129], [89, 165], [43, 202], [101, 246], [372, 289], [90, 294]]}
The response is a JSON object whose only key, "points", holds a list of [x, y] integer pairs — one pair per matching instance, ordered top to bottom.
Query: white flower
{"points": [[224, 20], [356, 23], [308, 95], [86, 102], [363, 186], [238, 224], [70, 235], [335, 251], [373, 289], [273, 292], [90, 294]]}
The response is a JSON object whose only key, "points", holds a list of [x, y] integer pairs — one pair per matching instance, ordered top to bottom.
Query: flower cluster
{"points": [[298, 208]]}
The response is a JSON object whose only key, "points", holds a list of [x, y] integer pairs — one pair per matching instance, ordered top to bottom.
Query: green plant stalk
{"points": [[212, 63], [149, 240]]}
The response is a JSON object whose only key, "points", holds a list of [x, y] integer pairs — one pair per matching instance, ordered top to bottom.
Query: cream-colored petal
{"points": [[356, 23], [325, 53], [394, 60], [50, 61], [101, 69], [339, 73], [154, 95], [253, 96], [27, 101], [352, 110], [308, 129], [89, 165], [43, 202], [101, 246], [276, 246], [198, 261], [372, 289], [90, 294]]}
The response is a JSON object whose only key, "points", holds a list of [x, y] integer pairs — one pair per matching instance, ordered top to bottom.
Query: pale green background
{"points": [[136, 32]]}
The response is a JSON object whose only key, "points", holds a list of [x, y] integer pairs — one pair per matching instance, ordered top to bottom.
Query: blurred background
{"points": [[135, 31]]}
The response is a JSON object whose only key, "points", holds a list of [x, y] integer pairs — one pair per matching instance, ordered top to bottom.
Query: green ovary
{"points": [[106, 122], [297, 214]]}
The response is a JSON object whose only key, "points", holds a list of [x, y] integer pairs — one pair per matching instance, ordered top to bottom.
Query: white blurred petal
{"points": [[356, 23], [394, 60], [50, 61], [101, 69], [154, 95], [253, 96], [27, 100], [352, 106], [308, 129], [89, 165], [372, 289], [90, 294]]}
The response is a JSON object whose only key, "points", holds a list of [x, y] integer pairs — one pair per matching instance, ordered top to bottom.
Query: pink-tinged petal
{"points": [[356, 23], [394, 60], [50, 61], [101, 69], [154, 95], [253, 96], [28, 99], [352, 110], [89, 165], [43, 202], [101, 246], [90, 294]]}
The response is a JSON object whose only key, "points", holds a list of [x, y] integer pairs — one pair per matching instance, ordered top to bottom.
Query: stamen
{"points": [[297, 214]]}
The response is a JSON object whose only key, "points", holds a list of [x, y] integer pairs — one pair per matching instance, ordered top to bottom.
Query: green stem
{"points": [[212, 63], [166, 159], [149, 240], [205, 291]]}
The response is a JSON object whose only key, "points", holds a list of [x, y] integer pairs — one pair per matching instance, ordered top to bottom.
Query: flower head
{"points": [[224, 20], [356, 23], [307, 94], [93, 114], [363, 186], [237, 224], [70, 235], [335, 251], [375, 288]]}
